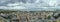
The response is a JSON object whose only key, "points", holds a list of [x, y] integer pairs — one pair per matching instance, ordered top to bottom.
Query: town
{"points": [[29, 16]]}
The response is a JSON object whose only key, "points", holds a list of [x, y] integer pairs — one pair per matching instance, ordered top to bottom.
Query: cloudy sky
{"points": [[30, 4]]}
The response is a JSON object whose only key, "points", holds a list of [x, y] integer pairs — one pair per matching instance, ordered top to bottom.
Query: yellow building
{"points": [[0, 19], [58, 20]]}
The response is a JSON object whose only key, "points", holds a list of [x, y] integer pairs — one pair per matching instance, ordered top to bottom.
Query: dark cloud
{"points": [[5, 2]]}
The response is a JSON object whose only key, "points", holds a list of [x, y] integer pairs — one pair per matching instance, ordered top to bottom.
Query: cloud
{"points": [[29, 4]]}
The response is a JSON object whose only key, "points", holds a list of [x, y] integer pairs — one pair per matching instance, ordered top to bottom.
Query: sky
{"points": [[30, 4]]}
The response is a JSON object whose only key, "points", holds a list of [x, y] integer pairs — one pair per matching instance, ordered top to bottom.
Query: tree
{"points": [[8, 17], [49, 17]]}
